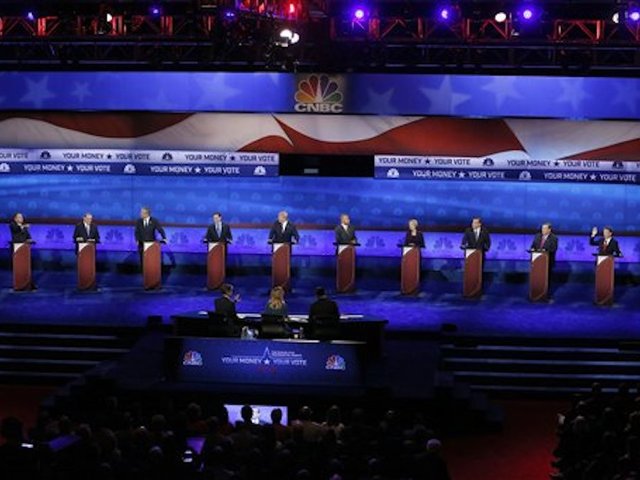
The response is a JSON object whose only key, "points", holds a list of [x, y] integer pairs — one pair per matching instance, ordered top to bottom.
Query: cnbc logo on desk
{"points": [[319, 94]]}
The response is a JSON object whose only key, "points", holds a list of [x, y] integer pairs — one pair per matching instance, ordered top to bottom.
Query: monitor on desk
{"points": [[273, 326]]}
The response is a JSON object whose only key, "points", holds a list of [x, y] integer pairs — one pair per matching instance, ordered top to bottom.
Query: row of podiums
{"points": [[345, 269]]}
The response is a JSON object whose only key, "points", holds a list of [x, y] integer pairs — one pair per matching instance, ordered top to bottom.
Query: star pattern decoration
{"points": [[503, 89], [81, 91], [37, 92], [572, 92], [214, 93], [627, 94], [444, 99], [380, 103], [69, 168], [198, 169], [593, 177]]}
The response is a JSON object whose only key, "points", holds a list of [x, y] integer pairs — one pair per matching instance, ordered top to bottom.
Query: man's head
{"points": [[145, 212], [283, 216], [217, 217], [18, 218], [87, 218], [344, 219], [476, 222], [413, 224], [545, 229], [607, 232], [227, 289], [320, 292], [246, 413], [276, 416]]}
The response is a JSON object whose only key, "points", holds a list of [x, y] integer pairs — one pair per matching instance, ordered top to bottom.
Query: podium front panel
{"points": [[216, 264], [86, 265], [151, 265], [281, 265], [21, 266], [345, 268], [410, 271], [539, 276], [605, 279], [472, 280]]}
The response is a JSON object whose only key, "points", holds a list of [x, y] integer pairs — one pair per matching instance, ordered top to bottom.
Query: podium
{"points": [[21, 259], [216, 264], [86, 265], [151, 265], [281, 265], [345, 268], [410, 270], [538, 276], [605, 279], [472, 281]]}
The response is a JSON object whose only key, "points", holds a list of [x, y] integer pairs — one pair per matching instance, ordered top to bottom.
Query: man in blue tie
{"points": [[218, 231]]}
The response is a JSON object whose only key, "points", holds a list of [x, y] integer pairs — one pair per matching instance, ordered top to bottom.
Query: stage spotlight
{"points": [[291, 9], [155, 10], [359, 13], [444, 13], [527, 14], [229, 15], [634, 15], [31, 16], [109, 17], [500, 17], [615, 18], [288, 37]]}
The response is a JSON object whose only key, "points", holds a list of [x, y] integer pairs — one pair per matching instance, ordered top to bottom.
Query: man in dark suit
{"points": [[146, 228], [19, 229], [86, 230], [218, 231], [283, 231], [345, 232], [477, 236], [546, 241], [607, 245], [226, 304], [323, 308]]}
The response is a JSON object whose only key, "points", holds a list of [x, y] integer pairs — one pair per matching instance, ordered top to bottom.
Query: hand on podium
{"points": [[594, 231], [79, 239]]}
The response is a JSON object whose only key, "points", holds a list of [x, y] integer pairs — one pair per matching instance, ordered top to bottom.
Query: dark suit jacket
{"points": [[81, 232], [18, 234], [148, 234], [212, 234], [276, 235], [345, 237], [417, 240], [483, 242], [550, 245], [612, 249], [226, 307], [325, 309]]}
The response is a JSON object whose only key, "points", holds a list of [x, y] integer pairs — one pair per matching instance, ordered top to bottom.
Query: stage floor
{"points": [[503, 311]]}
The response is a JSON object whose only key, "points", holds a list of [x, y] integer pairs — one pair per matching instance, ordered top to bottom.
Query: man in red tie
{"points": [[546, 241], [607, 245]]}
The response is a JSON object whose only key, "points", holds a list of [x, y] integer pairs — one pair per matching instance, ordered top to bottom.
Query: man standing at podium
{"points": [[146, 228], [19, 230], [86, 230], [218, 231], [283, 231], [345, 232], [477, 236], [546, 241], [607, 245]]}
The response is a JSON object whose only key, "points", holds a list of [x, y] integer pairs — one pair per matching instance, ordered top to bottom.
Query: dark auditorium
{"points": [[320, 240]]}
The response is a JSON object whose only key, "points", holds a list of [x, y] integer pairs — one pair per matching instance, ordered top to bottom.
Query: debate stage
{"points": [[504, 309]]}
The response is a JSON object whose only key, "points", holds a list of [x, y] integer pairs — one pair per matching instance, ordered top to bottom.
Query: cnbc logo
{"points": [[319, 94]]}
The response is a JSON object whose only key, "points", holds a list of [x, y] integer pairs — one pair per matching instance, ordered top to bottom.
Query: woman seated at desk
{"points": [[276, 305]]}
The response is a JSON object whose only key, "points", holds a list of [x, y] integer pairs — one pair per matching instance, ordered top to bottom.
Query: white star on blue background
{"points": [[503, 88], [81, 91], [37, 92], [572, 92], [214, 93], [627, 94], [444, 99], [380, 102]]}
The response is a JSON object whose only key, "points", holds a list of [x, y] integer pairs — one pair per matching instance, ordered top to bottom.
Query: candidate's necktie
{"points": [[146, 222], [88, 230], [218, 230], [477, 234], [542, 240]]}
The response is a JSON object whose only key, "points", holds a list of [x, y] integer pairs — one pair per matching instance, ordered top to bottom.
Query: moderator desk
{"points": [[361, 328]]}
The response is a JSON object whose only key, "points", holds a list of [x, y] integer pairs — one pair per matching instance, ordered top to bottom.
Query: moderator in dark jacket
{"points": [[227, 307], [325, 309]]}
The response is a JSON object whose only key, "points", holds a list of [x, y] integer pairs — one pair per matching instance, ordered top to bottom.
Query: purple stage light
{"points": [[155, 10], [359, 13], [229, 14], [444, 14], [527, 14], [634, 15], [31, 16]]}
